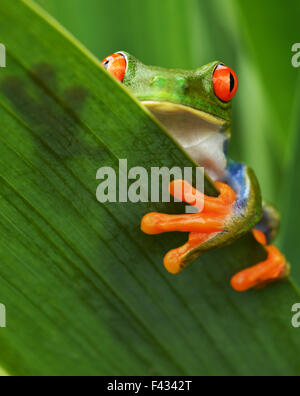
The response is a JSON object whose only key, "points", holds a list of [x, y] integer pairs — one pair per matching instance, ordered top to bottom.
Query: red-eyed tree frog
{"points": [[195, 108]]}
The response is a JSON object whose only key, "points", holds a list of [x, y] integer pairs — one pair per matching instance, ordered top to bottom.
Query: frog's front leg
{"points": [[218, 223], [202, 226]]}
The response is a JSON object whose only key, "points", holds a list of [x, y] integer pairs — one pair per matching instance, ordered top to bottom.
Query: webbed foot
{"points": [[202, 226]]}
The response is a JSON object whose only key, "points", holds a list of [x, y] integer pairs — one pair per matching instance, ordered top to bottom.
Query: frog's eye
{"points": [[116, 65], [225, 83]]}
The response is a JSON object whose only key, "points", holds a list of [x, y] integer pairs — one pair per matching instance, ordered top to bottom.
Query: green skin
{"points": [[194, 90]]}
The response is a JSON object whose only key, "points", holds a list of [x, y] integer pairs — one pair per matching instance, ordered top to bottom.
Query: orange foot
{"points": [[202, 226], [273, 269]]}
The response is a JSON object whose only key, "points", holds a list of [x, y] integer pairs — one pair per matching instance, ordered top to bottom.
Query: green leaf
{"points": [[84, 289]]}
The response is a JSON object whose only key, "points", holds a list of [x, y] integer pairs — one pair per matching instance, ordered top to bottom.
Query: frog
{"points": [[195, 109]]}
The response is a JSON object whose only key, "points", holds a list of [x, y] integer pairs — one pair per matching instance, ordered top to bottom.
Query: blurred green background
{"points": [[255, 38]]}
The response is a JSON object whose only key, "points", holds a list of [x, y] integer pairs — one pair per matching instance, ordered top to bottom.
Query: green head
{"points": [[193, 105]]}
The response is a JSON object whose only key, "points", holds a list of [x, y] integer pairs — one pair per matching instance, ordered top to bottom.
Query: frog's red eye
{"points": [[116, 65], [225, 83]]}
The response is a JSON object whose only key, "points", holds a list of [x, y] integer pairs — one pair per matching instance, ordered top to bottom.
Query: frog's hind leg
{"points": [[270, 222], [275, 267]]}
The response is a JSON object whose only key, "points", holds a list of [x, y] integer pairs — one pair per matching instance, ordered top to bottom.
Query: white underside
{"points": [[197, 132]]}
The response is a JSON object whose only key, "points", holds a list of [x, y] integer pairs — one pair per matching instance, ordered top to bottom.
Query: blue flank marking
{"points": [[237, 179]]}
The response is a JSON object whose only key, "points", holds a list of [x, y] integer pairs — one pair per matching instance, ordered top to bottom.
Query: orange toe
{"points": [[184, 192], [158, 223], [150, 224], [176, 260], [173, 261], [274, 268]]}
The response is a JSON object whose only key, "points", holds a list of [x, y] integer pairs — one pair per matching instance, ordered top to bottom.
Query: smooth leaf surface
{"points": [[85, 290]]}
